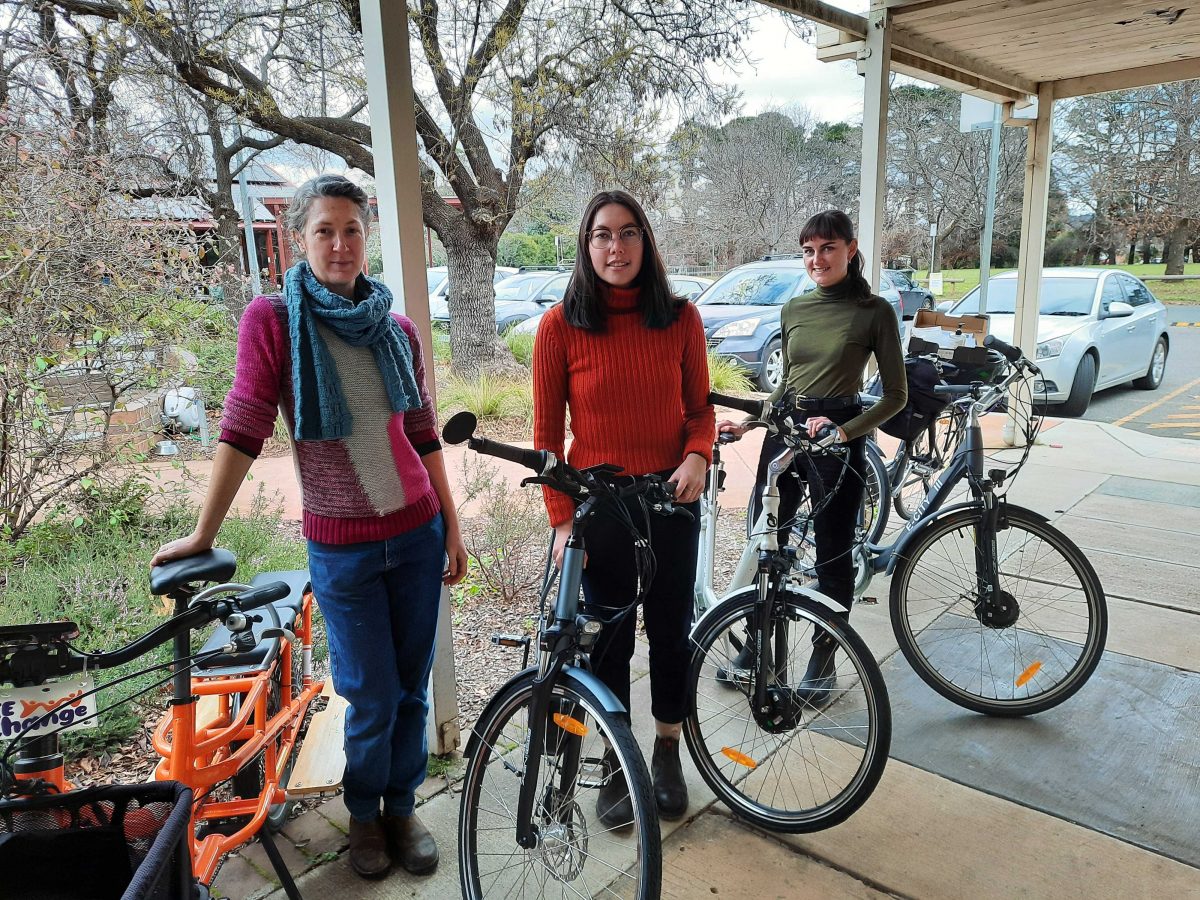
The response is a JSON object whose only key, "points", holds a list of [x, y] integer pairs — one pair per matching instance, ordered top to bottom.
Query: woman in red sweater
{"points": [[628, 359]]}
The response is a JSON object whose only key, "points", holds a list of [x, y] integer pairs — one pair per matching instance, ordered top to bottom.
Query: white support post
{"points": [[875, 63], [398, 189], [1033, 243]]}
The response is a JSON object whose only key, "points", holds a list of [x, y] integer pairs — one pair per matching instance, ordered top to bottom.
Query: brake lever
{"points": [[282, 631]]}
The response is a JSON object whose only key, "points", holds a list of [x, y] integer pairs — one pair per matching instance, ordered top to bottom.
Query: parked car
{"points": [[437, 280], [687, 286], [912, 295], [518, 297], [741, 313], [1097, 328]]}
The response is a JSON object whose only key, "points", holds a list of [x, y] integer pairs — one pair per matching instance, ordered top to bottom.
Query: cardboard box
{"points": [[946, 331]]}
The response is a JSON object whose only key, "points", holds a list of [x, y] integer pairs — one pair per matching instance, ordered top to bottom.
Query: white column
{"points": [[875, 62], [398, 186], [1033, 242]]}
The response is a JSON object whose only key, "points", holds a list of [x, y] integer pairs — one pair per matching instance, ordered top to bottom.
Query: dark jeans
{"points": [[834, 526], [610, 586], [380, 602]]}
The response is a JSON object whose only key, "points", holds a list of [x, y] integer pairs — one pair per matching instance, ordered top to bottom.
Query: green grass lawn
{"points": [[959, 281]]}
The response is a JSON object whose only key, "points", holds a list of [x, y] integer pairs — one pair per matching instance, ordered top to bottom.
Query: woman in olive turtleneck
{"points": [[828, 337]]}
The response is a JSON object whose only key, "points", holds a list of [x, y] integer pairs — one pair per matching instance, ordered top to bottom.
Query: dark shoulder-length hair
{"points": [[833, 224], [582, 305]]}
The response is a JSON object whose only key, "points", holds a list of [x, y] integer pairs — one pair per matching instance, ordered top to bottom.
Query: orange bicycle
{"points": [[232, 733]]}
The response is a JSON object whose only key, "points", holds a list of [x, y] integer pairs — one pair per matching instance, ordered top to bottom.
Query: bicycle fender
{"points": [[902, 544], [809, 594], [571, 674]]}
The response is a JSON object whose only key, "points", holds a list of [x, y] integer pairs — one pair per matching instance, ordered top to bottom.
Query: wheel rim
{"points": [[1159, 364], [774, 367], [1037, 662], [809, 777], [576, 855]]}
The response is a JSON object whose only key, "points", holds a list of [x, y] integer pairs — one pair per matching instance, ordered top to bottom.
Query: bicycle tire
{"points": [[1032, 664], [828, 764], [487, 826]]}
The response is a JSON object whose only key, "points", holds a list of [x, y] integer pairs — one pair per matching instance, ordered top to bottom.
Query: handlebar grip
{"points": [[1007, 350], [750, 407], [530, 459], [262, 595]]}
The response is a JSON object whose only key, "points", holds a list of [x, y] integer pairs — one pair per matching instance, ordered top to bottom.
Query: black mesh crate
{"points": [[118, 842]]}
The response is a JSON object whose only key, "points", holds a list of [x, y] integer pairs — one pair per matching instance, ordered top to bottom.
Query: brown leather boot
{"points": [[411, 844], [368, 848]]}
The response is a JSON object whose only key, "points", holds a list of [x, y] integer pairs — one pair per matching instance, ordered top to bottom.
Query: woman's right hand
{"points": [[738, 428], [561, 533], [181, 547]]}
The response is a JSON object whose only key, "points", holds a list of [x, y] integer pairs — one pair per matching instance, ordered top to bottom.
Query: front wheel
{"points": [[1157, 368], [1033, 651], [808, 762], [575, 854]]}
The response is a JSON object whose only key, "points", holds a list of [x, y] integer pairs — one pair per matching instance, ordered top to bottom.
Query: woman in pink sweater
{"points": [[383, 536]]}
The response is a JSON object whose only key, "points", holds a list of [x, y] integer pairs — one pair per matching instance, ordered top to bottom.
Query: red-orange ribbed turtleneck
{"points": [[638, 396]]}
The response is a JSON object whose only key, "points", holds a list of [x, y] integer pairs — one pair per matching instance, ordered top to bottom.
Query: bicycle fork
{"points": [[994, 607]]}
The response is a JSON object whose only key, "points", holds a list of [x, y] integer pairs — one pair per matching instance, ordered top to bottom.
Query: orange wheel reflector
{"points": [[1028, 674], [569, 724], [740, 758]]}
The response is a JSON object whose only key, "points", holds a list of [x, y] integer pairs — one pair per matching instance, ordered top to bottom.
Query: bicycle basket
{"points": [[963, 365], [117, 842]]}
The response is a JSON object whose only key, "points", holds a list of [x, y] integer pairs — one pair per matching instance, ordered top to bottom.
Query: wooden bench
{"points": [[322, 759]]}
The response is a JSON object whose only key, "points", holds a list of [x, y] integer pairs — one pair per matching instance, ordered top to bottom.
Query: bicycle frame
{"points": [[200, 754]]}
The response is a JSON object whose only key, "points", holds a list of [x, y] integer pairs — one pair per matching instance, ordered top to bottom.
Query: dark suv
{"points": [[741, 313]]}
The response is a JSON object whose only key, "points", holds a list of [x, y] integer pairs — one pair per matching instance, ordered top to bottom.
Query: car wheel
{"points": [[504, 326], [772, 367], [1158, 367], [1081, 388]]}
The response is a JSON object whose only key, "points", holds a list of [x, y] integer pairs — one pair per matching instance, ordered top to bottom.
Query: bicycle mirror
{"points": [[460, 427]]}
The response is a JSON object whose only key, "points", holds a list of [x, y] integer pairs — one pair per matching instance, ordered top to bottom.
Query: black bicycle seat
{"points": [[211, 565]]}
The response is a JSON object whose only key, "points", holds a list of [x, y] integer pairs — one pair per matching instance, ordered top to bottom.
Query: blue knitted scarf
{"points": [[320, 405]]}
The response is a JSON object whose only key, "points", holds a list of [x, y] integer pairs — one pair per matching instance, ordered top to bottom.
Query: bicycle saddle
{"points": [[211, 565]]}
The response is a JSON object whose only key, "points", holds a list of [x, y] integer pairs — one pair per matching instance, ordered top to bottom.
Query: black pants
{"points": [[835, 525], [610, 587]]}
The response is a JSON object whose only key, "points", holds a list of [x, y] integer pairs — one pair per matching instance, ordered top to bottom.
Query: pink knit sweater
{"points": [[369, 486]]}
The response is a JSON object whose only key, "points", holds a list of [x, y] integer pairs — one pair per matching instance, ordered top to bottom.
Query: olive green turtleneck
{"points": [[828, 336]]}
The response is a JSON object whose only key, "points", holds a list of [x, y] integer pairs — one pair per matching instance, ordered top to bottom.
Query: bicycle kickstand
{"points": [[281, 869]]}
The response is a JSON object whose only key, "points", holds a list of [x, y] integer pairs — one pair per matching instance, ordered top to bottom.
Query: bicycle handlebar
{"points": [[1009, 352], [756, 408], [777, 417], [33, 662]]}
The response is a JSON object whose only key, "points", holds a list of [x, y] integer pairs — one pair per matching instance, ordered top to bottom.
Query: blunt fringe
{"points": [[833, 224], [582, 305]]}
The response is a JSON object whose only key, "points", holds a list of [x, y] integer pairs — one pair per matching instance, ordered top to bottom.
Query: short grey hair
{"points": [[326, 186]]}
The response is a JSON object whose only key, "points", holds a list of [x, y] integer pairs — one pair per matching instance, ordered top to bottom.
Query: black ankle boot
{"points": [[737, 671], [820, 678], [670, 790], [613, 805]]}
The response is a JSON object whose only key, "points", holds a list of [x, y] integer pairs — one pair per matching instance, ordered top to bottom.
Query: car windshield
{"points": [[434, 277], [521, 287], [758, 287], [1059, 297]]}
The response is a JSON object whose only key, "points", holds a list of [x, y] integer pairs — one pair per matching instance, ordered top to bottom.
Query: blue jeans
{"points": [[380, 603]]}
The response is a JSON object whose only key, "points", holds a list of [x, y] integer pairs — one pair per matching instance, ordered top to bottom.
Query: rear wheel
{"points": [[1158, 367]]}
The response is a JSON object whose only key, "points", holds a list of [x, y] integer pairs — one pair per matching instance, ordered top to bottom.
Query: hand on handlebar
{"points": [[817, 424], [730, 427]]}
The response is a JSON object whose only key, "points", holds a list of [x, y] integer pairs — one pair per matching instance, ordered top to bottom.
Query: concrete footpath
{"points": [[1099, 797]]}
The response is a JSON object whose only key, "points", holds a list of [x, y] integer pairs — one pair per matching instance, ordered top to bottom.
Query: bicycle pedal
{"points": [[510, 640]]}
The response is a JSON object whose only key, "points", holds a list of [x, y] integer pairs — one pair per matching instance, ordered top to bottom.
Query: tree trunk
{"points": [[1176, 250], [1147, 252], [475, 347]]}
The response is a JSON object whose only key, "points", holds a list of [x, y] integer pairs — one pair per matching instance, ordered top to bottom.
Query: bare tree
{"points": [[497, 82]]}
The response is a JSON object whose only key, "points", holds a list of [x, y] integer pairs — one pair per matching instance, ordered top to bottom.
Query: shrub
{"points": [[521, 347], [726, 377], [487, 396], [507, 538]]}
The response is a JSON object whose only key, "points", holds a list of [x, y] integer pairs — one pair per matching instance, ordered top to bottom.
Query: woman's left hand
{"points": [[816, 423], [689, 478], [456, 558]]}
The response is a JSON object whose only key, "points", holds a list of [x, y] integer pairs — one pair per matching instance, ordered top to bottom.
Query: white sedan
{"points": [[1097, 328]]}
